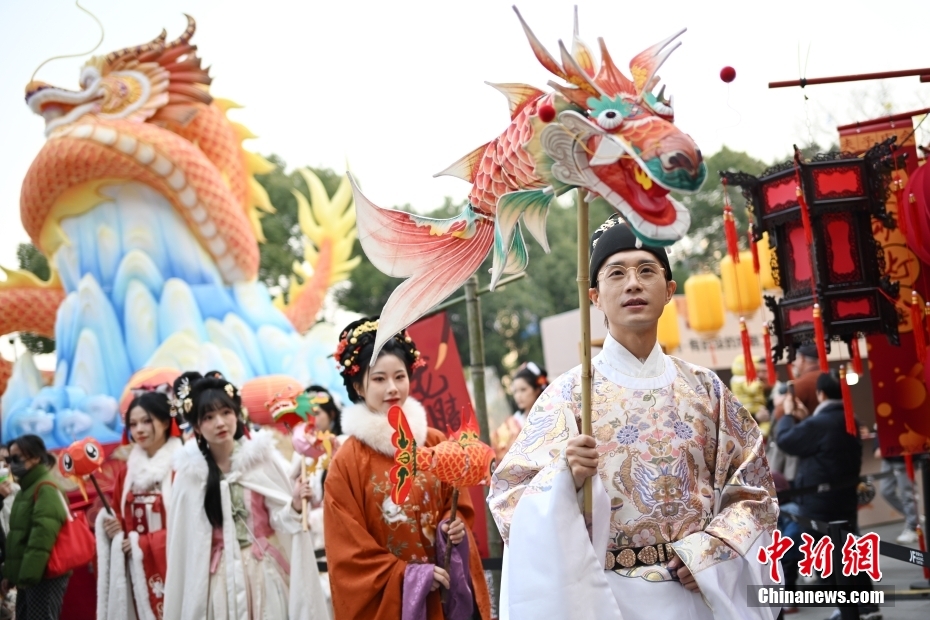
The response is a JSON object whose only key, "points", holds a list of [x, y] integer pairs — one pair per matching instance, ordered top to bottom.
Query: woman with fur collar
{"points": [[131, 545], [236, 550], [383, 558]]}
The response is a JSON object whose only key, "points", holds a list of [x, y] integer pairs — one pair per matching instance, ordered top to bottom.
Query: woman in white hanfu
{"points": [[235, 546]]}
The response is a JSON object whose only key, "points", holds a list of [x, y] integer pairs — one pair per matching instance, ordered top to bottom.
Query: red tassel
{"points": [[898, 185], [805, 216], [729, 229], [753, 248], [917, 322], [821, 340], [747, 353], [856, 357], [769, 362], [847, 404]]}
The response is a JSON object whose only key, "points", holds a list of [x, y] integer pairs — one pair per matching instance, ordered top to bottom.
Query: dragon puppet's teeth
{"points": [[82, 131], [105, 135], [127, 144], [609, 151], [145, 154], [162, 166], [176, 180], [188, 197]]}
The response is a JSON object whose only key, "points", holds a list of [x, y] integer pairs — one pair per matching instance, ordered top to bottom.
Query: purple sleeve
{"points": [[418, 578], [460, 602]]}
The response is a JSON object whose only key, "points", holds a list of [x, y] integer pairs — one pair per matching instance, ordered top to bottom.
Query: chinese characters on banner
{"points": [[898, 378], [442, 390], [860, 555]]}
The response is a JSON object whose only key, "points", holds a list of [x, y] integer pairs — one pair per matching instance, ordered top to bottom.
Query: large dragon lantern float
{"points": [[601, 132], [144, 201]]}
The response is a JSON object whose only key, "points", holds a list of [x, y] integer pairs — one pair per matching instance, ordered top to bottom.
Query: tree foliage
{"points": [[31, 259]]}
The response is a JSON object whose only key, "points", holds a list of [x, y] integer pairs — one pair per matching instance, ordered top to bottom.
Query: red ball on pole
{"points": [[728, 74]]}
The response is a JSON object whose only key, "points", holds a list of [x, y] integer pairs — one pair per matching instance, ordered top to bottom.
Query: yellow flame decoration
{"points": [[324, 220]]}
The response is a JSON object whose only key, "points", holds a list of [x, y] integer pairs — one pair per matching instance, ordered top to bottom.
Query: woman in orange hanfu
{"points": [[385, 559]]}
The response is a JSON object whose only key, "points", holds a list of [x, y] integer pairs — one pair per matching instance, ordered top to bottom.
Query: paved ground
{"points": [[895, 573]]}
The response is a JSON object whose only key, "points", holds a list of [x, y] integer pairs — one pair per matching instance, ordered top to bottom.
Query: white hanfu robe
{"points": [[680, 462], [258, 469]]}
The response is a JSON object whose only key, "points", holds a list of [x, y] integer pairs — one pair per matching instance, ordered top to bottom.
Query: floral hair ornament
{"points": [[350, 346], [230, 390]]}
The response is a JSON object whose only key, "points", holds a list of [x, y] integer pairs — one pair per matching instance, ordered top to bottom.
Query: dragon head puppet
{"points": [[599, 131], [615, 137]]}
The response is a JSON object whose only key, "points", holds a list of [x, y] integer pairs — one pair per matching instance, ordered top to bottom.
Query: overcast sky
{"points": [[397, 88]]}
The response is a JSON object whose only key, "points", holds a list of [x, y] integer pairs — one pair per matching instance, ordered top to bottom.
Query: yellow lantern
{"points": [[766, 255], [742, 294], [704, 298], [669, 336]]}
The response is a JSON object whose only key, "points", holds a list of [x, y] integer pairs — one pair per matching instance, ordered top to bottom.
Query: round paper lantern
{"points": [[766, 254], [742, 293], [704, 298], [669, 335], [148, 378], [262, 396]]}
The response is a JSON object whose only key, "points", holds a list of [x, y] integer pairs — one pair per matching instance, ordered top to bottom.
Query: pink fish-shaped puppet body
{"points": [[601, 132]]}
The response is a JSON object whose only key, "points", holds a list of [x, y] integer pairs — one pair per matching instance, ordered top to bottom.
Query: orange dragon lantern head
{"points": [[136, 83], [614, 137], [81, 458]]}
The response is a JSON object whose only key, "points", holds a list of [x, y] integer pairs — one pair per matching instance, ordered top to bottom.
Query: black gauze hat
{"points": [[614, 236]]}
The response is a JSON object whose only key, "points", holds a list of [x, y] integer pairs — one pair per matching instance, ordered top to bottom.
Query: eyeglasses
{"points": [[646, 274]]}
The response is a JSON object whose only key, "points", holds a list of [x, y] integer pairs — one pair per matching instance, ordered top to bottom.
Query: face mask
{"points": [[18, 469]]}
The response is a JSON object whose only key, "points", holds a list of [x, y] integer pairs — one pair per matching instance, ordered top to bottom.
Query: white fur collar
{"points": [[373, 429], [251, 452], [143, 473]]}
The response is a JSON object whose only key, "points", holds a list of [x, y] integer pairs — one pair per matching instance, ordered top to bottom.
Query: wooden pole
{"points": [[923, 73], [584, 304], [476, 367], [102, 497], [305, 524], [448, 557]]}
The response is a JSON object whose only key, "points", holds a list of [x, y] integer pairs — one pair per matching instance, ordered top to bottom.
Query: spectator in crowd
{"points": [[806, 369], [527, 385], [827, 454], [898, 491], [38, 513]]}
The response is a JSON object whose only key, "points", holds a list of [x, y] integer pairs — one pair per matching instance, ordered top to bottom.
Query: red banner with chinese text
{"points": [[899, 378], [442, 390]]}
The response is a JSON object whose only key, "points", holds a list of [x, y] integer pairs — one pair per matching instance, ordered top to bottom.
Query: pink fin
{"points": [[542, 55], [645, 64], [518, 96], [465, 167], [436, 257]]}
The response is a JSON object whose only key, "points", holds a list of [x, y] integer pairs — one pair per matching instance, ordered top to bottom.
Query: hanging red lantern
{"points": [[914, 204]]}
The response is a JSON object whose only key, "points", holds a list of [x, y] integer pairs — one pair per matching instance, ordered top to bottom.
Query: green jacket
{"points": [[34, 527]]}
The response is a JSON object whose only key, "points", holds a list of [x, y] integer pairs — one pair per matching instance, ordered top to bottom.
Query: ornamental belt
{"points": [[639, 556]]}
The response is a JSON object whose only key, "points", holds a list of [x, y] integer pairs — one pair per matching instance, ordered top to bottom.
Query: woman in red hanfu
{"points": [[131, 546]]}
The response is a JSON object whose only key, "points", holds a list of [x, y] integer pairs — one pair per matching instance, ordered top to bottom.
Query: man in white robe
{"points": [[683, 499]]}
